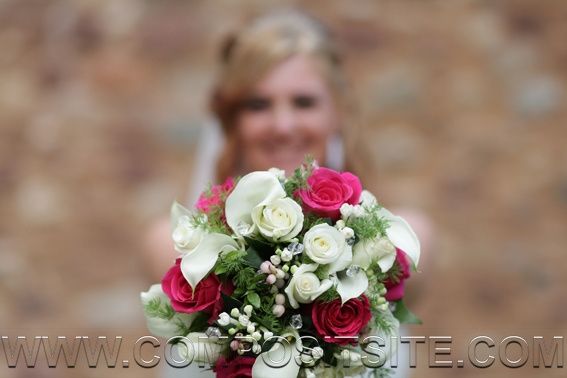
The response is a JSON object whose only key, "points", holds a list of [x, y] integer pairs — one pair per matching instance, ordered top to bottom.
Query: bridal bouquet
{"points": [[294, 276]]}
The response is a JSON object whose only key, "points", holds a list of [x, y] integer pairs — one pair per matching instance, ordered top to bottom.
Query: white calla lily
{"points": [[256, 188], [178, 211], [402, 235], [380, 250], [195, 265], [351, 287], [281, 360]]}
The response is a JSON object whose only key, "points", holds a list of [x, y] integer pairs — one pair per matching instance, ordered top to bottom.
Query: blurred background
{"points": [[102, 103]]}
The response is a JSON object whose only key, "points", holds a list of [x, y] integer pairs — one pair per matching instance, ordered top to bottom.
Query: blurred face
{"points": [[290, 113]]}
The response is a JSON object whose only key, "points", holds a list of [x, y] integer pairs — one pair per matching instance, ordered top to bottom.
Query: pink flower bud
{"points": [[265, 267], [271, 279], [280, 299], [278, 310], [234, 345]]}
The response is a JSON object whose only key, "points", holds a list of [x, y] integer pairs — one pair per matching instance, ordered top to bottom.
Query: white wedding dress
{"points": [[209, 147]]}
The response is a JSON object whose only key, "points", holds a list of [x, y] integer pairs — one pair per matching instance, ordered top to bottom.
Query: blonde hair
{"points": [[253, 52]]}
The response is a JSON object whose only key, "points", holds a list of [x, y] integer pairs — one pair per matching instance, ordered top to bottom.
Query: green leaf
{"points": [[370, 225], [262, 247], [252, 258], [230, 263], [220, 269], [253, 299], [230, 302], [158, 309], [404, 315], [199, 324]]}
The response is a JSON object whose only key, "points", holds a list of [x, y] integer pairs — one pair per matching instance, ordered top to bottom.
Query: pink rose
{"points": [[328, 191], [215, 197], [395, 286], [206, 296], [331, 319], [239, 367]]}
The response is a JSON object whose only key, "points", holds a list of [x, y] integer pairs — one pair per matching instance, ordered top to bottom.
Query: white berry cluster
{"points": [[247, 334]]}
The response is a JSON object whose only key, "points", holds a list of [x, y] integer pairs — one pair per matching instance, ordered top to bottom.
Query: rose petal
{"points": [[355, 185]]}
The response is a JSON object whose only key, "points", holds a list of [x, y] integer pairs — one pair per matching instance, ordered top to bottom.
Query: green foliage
{"points": [[298, 180], [208, 192], [310, 220], [211, 222], [370, 225], [261, 247], [252, 258], [306, 259], [231, 263], [322, 272], [394, 274], [248, 280], [250, 286], [329, 295], [254, 299], [230, 302], [158, 309], [264, 315], [404, 315], [382, 317], [268, 320], [384, 320], [200, 323], [183, 328], [329, 351], [383, 372]]}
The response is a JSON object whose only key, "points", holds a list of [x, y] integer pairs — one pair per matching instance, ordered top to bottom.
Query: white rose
{"points": [[253, 190], [279, 220], [185, 236], [325, 244], [379, 250], [305, 286], [159, 326]]}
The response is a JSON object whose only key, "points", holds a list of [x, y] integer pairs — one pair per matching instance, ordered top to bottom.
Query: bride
{"points": [[280, 96]]}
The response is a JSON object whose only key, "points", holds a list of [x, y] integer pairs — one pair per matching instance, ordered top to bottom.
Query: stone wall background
{"points": [[101, 103]]}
